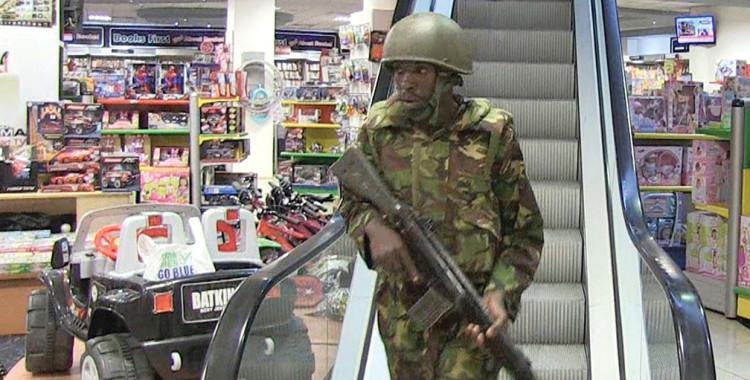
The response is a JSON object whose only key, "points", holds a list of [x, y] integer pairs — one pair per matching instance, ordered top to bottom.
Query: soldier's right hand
{"points": [[388, 251]]}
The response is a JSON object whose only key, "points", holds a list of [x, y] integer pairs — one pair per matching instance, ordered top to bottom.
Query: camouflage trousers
{"points": [[440, 353]]}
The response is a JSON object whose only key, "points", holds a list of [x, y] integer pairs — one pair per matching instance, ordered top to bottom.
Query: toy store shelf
{"points": [[202, 101], [143, 102], [306, 103], [310, 125], [145, 131], [721, 134], [223, 136], [674, 136], [311, 156], [213, 162], [306, 189], [667, 189], [59, 195], [720, 209], [19, 276], [742, 291]]}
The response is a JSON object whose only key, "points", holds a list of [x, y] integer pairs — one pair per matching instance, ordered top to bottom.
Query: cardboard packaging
{"points": [[682, 101], [647, 114], [659, 165], [710, 165]]}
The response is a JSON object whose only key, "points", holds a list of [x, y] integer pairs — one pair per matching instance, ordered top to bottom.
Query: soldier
{"points": [[459, 165]]}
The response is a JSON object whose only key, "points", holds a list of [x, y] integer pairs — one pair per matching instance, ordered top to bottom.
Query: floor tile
{"points": [[726, 332], [726, 375]]}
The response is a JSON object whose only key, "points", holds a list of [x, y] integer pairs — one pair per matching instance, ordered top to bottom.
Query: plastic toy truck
{"points": [[139, 329]]}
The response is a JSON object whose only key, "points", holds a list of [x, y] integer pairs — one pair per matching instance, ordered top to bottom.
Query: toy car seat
{"points": [[170, 223], [237, 227]]}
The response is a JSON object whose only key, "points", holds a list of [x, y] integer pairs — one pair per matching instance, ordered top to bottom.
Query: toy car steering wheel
{"points": [[107, 244]]}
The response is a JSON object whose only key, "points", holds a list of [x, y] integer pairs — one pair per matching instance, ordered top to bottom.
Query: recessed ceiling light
{"points": [[100, 18], [342, 18], [184, 20], [654, 22], [176, 23], [208, 25]]}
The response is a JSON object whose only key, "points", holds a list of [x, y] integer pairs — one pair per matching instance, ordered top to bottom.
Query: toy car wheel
{"points": [[79, 130], [118, 183], [48, 347], [114, 356]]}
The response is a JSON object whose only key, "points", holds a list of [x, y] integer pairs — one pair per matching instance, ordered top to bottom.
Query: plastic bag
{"points": [[169, 261]]}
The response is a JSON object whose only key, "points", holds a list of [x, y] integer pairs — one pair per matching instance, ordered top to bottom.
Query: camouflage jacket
{"points": [[469, 181]]}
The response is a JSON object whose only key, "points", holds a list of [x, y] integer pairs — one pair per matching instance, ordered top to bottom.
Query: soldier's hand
{"points": [[388, 250], [494, 302]]}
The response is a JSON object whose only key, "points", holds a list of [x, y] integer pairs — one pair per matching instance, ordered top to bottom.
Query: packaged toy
{"points": [[730, 68], [172, 81], [143, 82], [109, 86], [733, 88], [308, 93], [331, 93], [682, 106], [711, 111], [647, 114], [308, 115], [46, 118], [124, 119], [214, 119], [234, 119], [83, 120], [168, 120], [111, 144], [140, 145], [228, 150], [171, 156], [74, 159], [710, 163], [659, 165], [687, 167], [18, 172], [120, 172], [311, 175], [67, 181], [165, 185], [658, 205], [680, 222], [665, 228], [693, 241], [713, 246], [743, 256]]}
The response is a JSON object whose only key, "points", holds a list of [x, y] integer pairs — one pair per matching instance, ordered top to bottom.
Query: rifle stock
{"points": [[448, 284]]}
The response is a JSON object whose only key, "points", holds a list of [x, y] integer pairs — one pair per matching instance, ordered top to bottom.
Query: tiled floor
{"points": [[731, 343], [11, 350]]}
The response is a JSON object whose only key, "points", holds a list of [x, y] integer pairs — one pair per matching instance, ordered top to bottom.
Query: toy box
{"points": [[730, 68], [172, 81], [143, 82], [109, 86], [733, 88], [308, 93], [682, 100], [711, 111], [647, 114], [308, 115], [45, 118], [121, 119], [214, 119], [83, 120], [168, 120], [295, 140], [111, 144], [140, 145], [228, 150], [171, 156], [74, 159], [710, 164], [659, 165], [687, 167], [18, 172], [120, 172], [311, 175], [73, 180], [165, 185], [658, 205], [679, 234], [693, 241], [713, 246], [743, 256]]}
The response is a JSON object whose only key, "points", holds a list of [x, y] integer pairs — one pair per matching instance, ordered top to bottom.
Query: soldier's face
{"points": [[415, 83]]}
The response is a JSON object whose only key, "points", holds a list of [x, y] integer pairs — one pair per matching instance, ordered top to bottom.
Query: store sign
{"points": [[89, 36], [163, 37], [305, 41], [678, 47]]}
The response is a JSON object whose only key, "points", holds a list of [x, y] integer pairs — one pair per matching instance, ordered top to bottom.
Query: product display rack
{"points": [[307, 103], [311, 125], [177, 132], [699, 135], [666, 189]]}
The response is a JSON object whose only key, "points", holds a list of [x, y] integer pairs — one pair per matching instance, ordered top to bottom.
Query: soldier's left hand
{"points": [[495, 305]]}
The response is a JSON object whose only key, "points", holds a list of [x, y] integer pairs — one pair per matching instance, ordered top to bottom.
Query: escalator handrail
{"points": [[227, 344], [694, 347]]}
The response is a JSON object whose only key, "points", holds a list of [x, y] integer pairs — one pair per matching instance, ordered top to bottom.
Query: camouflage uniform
{"points": [[468, 179]]}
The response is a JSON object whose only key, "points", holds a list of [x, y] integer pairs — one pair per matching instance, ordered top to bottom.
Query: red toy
{"points": [[69, 178]]}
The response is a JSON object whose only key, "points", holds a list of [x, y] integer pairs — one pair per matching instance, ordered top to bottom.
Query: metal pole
{"points": [[737, 145], [195, 151]]}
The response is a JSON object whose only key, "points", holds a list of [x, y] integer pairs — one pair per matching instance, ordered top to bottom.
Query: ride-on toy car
{"points": [[139, 329]]}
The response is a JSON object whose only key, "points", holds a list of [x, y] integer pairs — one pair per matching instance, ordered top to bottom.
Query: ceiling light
{"points": [[100, 18], [342, 18], [184, 20], [654, 22], [176, 23], [208, 25]]}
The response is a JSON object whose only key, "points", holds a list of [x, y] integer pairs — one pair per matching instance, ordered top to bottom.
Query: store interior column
{"points": [[250, 31]]}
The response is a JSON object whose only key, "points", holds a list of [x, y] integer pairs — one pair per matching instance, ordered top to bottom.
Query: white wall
{"points": [[732, 42], [648, 45]]}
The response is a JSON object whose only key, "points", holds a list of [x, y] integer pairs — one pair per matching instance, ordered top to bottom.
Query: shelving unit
{"points": [[143, 102], [202, 102], [307, 103], [311, 125], [145, 132], [224, 136], [676, 136], [302, 156], [667, 189], [317, 190], [720, 209]]}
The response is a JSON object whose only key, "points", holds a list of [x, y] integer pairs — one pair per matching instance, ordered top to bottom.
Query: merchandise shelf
{"points": [[204, 101], [143, 102], [307, 103], [310, 125], [145, 131], [720, 134], [223, 136], [674, 136], [302, 156], [218, 161], [666, 189], [324, 190], [40, 195], [718, 209], [19, 276], [742, 291]]}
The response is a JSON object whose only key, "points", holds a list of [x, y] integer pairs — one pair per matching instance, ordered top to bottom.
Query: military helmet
{"points": [[431, 38]]}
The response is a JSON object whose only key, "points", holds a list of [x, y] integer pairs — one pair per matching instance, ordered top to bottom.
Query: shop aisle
{"points": [[731, 343]]}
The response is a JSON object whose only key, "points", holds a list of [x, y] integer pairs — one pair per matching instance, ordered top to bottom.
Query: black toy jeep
{"points": [[138, 329]]}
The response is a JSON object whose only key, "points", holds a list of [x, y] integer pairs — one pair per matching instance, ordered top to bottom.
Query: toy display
{"points": [[730, 68], [172, 81], [143, 82], [109, 86], [733, 88], [683, 101], [711, 111], [647, 114], [308, 115], [47, 117], [121, 119], [83, 120], [168, 120], [214, 120], [295, 140], [111, 144], [140, 145], [228, 150], [171, 156], [74, 158], [658, 165], [687, 167], [710, 171], [18, 172], [120, 172], [317, 175], [83, 180], [165, 185], [664, 217], [693, 239], [713, 246], [743, 256]]}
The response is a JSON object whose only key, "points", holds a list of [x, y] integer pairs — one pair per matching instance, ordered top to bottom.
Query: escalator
{"points": [[606, 301]]}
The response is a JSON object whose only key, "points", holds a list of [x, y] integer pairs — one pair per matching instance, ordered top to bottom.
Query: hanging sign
{"points": [[163, 37], [305, 41]]}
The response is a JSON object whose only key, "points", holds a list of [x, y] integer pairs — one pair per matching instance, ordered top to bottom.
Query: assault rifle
{"points": [[449, 288]]}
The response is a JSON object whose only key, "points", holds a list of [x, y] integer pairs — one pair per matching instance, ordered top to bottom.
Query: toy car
{"points": [[81, 125], [75, 155], [70, 178], [118, 179], [139, 329]]}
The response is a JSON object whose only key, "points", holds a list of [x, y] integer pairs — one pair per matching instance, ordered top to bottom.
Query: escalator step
{"points": [[527, 15], [540, 46], [520, 80], [549, 118], [550, 160], [559, 203], [562, 257], [550, 314], [659, 323], [663, 361], [558, 362]]}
